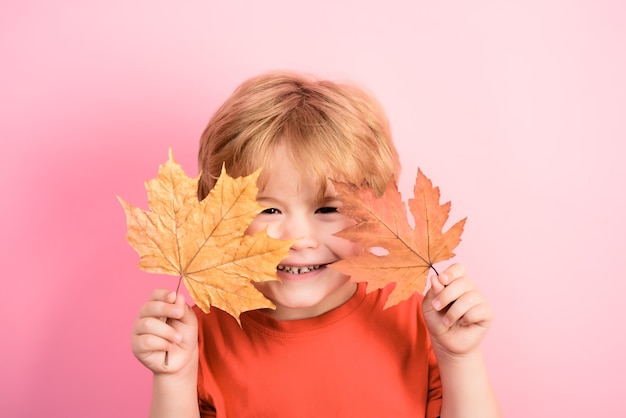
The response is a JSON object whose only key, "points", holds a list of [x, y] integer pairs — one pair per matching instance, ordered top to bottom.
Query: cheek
{"points": [[257, 225], [254, 227], [342, 247], [345, 248]]}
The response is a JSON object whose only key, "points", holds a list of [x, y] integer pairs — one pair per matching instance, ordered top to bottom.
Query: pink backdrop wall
{"points": [[516, 109]]}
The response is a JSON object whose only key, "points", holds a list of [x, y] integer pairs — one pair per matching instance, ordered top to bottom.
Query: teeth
{"points": [[297, 270]]}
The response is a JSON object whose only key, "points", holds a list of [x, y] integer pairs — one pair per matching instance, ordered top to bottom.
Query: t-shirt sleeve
{"points": [[435, 391], [209, 399], [433, 408], [206, 410]]}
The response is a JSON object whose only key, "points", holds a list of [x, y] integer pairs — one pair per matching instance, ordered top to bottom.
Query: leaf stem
{"points": [[166, 359]]}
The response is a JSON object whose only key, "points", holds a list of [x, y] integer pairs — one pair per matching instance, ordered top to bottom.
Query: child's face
{"points": [[295, 211]]}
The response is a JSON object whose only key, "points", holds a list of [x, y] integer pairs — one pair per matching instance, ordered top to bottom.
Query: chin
{"points": [[296, 296], [311, 299]]}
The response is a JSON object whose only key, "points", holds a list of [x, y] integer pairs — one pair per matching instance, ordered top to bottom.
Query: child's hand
{"points": [[457, 314], [152, 336]]}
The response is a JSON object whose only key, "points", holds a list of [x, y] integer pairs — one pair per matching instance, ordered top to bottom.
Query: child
{"points": [[329, 349]]}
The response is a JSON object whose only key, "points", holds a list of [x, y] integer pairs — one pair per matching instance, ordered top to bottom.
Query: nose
{"points": [[302, 230]]}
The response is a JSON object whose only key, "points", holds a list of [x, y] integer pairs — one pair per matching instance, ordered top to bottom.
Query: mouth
{"points": [[299, 269]]}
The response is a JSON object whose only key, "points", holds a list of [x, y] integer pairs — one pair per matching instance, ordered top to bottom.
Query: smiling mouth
{"points": [[298, 270]]}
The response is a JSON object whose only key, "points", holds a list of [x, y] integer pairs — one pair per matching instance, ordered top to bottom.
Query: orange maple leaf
{"points": [[382, 223], [204, 242]]}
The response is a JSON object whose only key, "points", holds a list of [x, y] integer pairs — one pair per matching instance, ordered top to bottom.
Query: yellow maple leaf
{"points": [[382, 223], [204, 242]]}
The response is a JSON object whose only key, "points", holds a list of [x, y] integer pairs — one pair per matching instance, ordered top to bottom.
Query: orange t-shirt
{"points": [[357, 360]]}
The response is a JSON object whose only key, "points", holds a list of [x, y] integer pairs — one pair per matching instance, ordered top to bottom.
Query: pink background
{"points": [[515, 109]]}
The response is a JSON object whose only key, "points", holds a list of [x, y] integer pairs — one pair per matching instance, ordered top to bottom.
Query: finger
{"points": [[455, 271], [438, 283], [432, 287], [451, 291], [164, 295], [461, 307], [161, 310], [480, 314], [187, 315], [155, 327], [149, 343]]}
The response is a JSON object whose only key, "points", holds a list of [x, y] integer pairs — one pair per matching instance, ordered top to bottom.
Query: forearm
{"points": [[467, 390], [175, 395]]}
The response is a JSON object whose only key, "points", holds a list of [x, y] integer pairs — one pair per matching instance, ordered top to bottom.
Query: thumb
{"points": [[433, 290], [185, 312]]}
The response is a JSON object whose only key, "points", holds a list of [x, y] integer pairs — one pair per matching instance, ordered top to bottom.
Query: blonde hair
{"points": [[329, 129]]}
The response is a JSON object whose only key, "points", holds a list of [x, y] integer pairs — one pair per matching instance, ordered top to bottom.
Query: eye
{"points": [[326, 209], [271, 211]]}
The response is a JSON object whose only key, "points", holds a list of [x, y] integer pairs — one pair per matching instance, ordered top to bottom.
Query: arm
{"points": [[458, 317], [174, 391]]}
